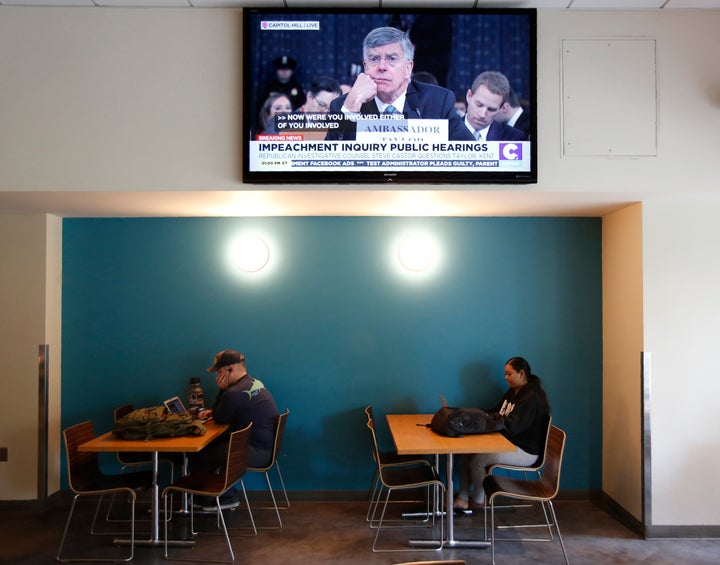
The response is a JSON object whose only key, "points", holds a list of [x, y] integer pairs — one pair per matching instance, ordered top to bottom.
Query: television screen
{"points": [[389, 95]]}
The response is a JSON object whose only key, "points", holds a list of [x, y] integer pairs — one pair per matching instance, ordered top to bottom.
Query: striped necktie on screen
{"points": [[478, 135]]}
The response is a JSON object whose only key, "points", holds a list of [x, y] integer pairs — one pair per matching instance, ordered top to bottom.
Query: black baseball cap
{"points": [[225, 358]]}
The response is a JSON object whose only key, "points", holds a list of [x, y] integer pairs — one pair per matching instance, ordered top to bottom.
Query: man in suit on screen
{"points": [[386, 88], [488, 93], [515, 114]]}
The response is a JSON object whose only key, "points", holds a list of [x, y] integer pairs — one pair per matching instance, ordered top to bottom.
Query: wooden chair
{"points": [[277, 445], [385, 459], [526, 471], [406, 478], [86, 479], [210, 484], [544, 489]]}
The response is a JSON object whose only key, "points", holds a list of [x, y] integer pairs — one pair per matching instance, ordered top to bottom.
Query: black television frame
{"points": [[384, 177]]}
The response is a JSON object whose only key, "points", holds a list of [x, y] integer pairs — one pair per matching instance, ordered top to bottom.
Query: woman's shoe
{"points": [[460, 504], [475, 505]]}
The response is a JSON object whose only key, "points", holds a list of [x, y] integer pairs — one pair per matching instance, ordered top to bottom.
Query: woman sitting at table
{"points": [[525, 411]]}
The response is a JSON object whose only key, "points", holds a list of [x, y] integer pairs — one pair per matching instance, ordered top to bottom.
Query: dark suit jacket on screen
{"points": [[422, 101], [523, 121], [502, 132]]}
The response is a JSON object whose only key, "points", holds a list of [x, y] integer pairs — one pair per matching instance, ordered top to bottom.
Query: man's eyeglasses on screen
{"points": [[391, 60]]}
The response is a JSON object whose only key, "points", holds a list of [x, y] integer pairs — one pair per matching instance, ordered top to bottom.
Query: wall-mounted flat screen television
{"points": [[389, 95]]}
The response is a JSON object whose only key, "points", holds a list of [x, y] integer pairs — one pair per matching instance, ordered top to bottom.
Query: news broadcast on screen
{"points": [[387, 96]]}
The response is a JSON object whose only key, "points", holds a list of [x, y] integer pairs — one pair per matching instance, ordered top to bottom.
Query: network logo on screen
{"points": [[285, 25], [510, 152]]}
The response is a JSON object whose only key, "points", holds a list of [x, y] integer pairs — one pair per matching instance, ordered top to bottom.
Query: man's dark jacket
{"points": [[422, 101]]}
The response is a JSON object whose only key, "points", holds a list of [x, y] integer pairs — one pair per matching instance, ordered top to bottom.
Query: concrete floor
{"points": [[336, 532]]}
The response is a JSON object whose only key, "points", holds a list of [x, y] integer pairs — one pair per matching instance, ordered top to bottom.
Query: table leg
{"points": [[185, 507], [436, 511], [154, 539], [450, 541]]}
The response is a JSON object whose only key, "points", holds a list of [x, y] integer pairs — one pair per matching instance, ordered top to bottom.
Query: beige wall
{"points": [[123, 99], [85, 108], [30, 254], [681, 277], [53, 337], [622, 342]]}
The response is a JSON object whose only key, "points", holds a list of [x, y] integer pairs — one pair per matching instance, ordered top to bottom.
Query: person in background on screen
{"points": [[432, 36], [424, 76], [284, 81], [385, 87], [322, 91], [485, 97], [276, 103], [461, 106], [515, 114], [241, 399], [525, 411]]}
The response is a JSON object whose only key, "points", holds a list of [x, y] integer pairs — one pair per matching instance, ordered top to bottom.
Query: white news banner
{"points": [[388, 144]]}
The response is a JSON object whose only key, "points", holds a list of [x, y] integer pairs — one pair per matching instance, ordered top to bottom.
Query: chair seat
{"points": [[394, 458], [408, 476], [100, 483], [208, 483], [519, 488]]}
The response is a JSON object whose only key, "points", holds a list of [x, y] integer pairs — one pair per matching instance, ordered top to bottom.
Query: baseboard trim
{"points": [[623, 516], [657, 532], [682, 532]]}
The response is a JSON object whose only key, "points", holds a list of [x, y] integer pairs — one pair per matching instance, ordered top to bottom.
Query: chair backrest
{"points": [[120, 411], [279, 434], [375, 448], [237, 456], [128, 457], [541, 458], [553, 461], [83, 466]]}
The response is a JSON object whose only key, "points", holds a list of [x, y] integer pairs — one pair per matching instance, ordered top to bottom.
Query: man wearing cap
{"points": [[285, 82], [241, 400]]}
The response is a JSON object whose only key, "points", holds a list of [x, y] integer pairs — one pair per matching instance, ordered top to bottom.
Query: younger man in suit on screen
{"points": [[485, 97]]}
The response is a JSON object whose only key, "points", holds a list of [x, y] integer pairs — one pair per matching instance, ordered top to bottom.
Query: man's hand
{"points": [[363, 90], [224, 378]]}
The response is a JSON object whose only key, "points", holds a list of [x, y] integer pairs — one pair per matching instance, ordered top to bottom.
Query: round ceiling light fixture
{"points": [[417, 252]]}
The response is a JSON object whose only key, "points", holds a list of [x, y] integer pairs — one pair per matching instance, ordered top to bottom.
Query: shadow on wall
{"points": [[479, 385]]}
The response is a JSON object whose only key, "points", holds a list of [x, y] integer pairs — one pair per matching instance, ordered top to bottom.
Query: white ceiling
{"points": [[540, 4], [499, 202]]}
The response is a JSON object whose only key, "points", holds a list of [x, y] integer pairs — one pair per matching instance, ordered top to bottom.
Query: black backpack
{"points": [[457, 422]]}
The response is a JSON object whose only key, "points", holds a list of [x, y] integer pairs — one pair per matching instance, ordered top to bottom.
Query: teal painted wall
{"points": [[332, 324]]}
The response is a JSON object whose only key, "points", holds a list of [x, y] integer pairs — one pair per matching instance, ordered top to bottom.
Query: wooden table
{"points": [[412, 436], [186, 444]]}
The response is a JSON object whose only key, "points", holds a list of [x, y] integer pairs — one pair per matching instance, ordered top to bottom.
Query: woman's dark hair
{"points": [[265, 109], [521, 364]]}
